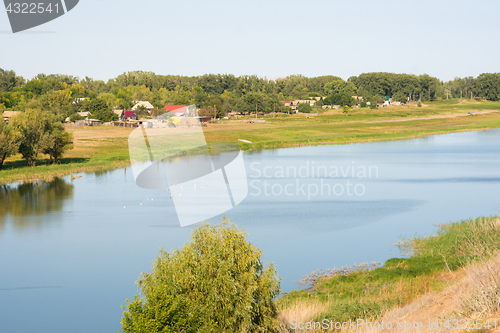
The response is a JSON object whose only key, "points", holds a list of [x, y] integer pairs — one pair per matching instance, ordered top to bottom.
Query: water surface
{"points": [[71, 250]]}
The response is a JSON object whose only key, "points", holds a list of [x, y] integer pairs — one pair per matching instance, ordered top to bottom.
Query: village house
{"points": [[145, 104], [179, 110], [119, 113], [9, 114], [85, 115], [129, 115]]}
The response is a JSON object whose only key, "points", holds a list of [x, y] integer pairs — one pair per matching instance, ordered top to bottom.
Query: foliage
{"points": [[488, 86], [57, 93], [419, 104], [305, 107], [346, 109], [141, 111], [75, 116], [30, 128], [36, 132], [57, 141], [8, 142], [216, 283]]}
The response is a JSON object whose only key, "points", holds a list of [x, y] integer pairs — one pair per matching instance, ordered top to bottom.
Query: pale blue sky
{"points": [[103, 39]]}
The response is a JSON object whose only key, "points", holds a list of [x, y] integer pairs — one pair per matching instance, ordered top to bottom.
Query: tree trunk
{"points": [[2, 160]]}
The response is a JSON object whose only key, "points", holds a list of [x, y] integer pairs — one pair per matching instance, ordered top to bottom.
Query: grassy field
{"points": [[103, 147], [364, 293]]}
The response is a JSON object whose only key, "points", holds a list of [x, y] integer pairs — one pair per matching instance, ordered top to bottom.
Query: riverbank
{"points": [[104, 148], [451, 275]]}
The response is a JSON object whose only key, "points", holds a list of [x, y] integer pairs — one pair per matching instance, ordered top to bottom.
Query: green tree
{"points": [[304, 107], [347, 109], [100, 110], [141, 111], [75, 116], [30, 128], [57, 141], [8, 142], [215, 283]]}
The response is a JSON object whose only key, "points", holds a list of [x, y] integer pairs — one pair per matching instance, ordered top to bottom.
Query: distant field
{"points": [[103, 147]]}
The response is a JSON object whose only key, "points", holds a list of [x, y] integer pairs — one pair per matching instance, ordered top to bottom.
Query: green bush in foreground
{"points": [[215, 283]]}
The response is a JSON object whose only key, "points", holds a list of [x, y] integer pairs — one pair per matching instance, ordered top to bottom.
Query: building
{"points": [[145, 104], [179, 110], [119, 113], [9, 114], [85, 115], [129, 115]]}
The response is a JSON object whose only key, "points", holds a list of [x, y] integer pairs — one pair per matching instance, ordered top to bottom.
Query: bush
{"points": [[419, 104], [304, 108], [346, 109], [74, 117], [216, 283]]}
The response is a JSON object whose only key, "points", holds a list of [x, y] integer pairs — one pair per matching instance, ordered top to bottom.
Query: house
{"points": [[78, 100], [311, 102], [145, 104], [291, 104], [179, 110], [119, 113], [9, 114], [85, 115], [129, 115], [87, 122]]}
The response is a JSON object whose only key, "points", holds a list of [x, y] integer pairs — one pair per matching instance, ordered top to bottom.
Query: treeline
{"points": [[217, 94], [32, 133]]}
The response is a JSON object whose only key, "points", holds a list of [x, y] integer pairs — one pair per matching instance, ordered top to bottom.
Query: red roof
{"points": [[177, 108], [128, 114]]}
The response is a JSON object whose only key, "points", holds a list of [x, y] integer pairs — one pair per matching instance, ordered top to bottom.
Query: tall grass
{"points": [[370, 293]]}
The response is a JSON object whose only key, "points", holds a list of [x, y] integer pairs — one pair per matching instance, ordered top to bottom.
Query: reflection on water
{"points": [[21, 202]]}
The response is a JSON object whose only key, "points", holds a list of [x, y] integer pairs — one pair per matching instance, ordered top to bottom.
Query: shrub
{"points": [[419, 104], [304, 108], [74, 117], [215, 283]]}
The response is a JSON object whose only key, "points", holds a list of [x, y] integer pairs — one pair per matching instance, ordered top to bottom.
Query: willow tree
{"points": [[215, 283]]}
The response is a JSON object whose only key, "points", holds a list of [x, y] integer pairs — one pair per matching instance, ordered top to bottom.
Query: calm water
{"points": [[70, 252]]}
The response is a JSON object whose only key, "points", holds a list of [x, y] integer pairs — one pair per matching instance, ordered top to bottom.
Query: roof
{"points": [[146, 104], [176, 108], [118, 112], [8, 114], [83, 114], [129, 114]]}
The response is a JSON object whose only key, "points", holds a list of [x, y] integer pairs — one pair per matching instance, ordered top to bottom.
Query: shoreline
{"points": [[103, 149], [48, 172]]}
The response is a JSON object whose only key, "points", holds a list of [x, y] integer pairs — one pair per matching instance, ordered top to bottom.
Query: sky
{"points": [[273, 38]]}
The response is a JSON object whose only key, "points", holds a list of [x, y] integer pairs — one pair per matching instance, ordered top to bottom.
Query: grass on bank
{"points": [[105, 148], [368, 294]]}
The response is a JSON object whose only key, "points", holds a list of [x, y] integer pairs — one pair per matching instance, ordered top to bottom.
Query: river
{"points": [[72, 249]]}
